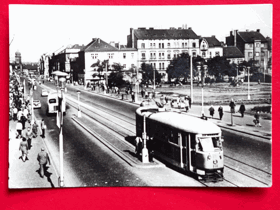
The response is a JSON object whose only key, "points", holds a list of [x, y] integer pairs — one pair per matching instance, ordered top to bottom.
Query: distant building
{"points": [[252, 44], [159, 46], [210, 47], [99, 50], [233, 54], [18, 57]]}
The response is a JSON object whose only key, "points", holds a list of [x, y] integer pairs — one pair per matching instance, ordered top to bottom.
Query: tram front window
{"points": [[206, 144]]}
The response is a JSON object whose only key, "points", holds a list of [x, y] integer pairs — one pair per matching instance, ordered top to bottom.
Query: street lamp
{"points": [[191, 78], [154, 80], [61, 82], [136, 86], [249, 98], [79, 108]]}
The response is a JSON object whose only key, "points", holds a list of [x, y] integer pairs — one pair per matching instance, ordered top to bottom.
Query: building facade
{"points": [[252, 44], [159, 46], [210, 47], [233, 54]]}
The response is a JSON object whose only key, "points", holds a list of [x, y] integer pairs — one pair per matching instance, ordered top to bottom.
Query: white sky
{"points": [[39, 29]]}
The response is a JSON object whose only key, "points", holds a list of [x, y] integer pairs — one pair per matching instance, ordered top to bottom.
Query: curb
{"points": [[118, 152]]}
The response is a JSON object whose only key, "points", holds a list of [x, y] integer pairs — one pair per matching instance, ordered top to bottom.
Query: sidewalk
{"points": [[26, 174]]}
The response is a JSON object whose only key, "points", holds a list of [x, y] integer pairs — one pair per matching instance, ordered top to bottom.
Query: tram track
{"points": [[123, 132]]}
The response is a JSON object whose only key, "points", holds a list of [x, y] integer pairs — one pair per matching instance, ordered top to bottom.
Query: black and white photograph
{"points": [[140, 96]]}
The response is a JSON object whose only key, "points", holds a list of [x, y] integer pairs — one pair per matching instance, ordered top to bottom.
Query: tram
{"points": [[187, 142]]}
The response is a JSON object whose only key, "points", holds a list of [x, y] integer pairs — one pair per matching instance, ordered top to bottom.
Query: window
{"points": [[168, 44], [257, 44], [143, 45], [151, 45], [154, 45], [159, 45], [162, 45], [183, 45], [186, 45], [194, 45], [251, 45], [262, 45], [217, 53], [194, 54], [203, 54], [210, 54], [250, 54], [257, 54], [262, 54], [110, 55], [124, 55], [132, 55], [151, 55], [154, 55], [159, 55], [162, 55], [94, 56], [143, 56], [169, 56], [124, 65], [154, 65], [159, 66], [163, 66], [52, 101], [173, 137]]}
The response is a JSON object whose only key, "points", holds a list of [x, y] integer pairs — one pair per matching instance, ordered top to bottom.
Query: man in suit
{"points": [[43, 159]]}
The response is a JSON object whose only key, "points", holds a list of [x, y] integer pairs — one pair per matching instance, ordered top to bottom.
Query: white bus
{"points": [[53, 103]]}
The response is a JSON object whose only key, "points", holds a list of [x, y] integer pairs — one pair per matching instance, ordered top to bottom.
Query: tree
{"points": [[220, 66], [253, 66], [179, 67], [100, 68], [148, 74], [116, 76]]}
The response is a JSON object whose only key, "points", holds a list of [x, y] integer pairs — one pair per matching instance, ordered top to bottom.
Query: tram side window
{"points": [[173, 136], [193, 141], [206, 144]]}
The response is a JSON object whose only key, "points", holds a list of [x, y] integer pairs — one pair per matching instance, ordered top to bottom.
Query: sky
{"points": [[38, 29]]}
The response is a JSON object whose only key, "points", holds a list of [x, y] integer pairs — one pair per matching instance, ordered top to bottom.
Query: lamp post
{"points": [[191, 78], [154, 80], [61, 82], [249, 83], [136, 86], [79, 108]]}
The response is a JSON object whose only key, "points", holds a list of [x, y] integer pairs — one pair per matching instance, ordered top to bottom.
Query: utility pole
{"points": [[191, 78]]}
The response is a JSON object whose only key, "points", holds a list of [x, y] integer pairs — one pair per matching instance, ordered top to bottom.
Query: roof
{"points": [[144, 33], [251, 36], [213, 41], [98, 45], [128, 49], [232, 52], [181, 121]]}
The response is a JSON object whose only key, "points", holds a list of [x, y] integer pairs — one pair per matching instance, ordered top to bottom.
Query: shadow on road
{"points": [[47, 174]]}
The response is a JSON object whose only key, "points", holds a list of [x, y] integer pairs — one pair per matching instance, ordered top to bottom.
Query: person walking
{"points": [[133, 96], [190, 102], [187, 104], [232, 106], [242, 109], [15, 111], [212, 111], [221, 112], [257, 119], [43, 128], [19, 129], [35, 129], [28, 135], [23, 147], [43, 159]]}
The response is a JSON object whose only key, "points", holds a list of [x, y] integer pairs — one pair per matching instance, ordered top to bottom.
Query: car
{"points": [[44, 93], [36, 104]]}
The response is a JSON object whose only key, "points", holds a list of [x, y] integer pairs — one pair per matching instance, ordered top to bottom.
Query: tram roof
{"points": [[182, 121]]}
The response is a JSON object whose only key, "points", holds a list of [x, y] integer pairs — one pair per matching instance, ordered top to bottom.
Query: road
{"points": [[92, 164]]}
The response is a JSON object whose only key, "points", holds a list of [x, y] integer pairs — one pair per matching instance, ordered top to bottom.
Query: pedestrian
{"points": [[142, 93], [146, 94], [133, 96], [161, 99], [190, 102], [187, 104], [232, 106], [242, 109], [15, 111], [212, 111], [221, 112], [19, 114], [203, 117], [257, 119], [23, 120], [43, 128], [19, 129], [35, 129], [28, 135], [138, 146], [23, 147], [43, 159]]}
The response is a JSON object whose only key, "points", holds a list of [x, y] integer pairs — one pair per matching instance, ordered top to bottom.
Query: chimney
{"points": [[183, 26], [186, 26], [190, 28], [247, 30], [258, 30], [230, 33], [235, 34], [213, 36], [132, 37], [98, 40], [119, 45]]}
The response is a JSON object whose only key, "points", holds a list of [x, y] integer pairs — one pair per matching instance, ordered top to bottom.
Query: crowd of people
{"points": [[26, 128]]}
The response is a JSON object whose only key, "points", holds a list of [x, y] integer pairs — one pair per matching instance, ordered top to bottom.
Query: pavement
{"points": [[26, 174], [19, 177]]}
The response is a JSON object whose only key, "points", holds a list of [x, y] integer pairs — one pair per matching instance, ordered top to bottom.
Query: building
{"points": [[252, 44], [159, 46], [210, 47], [98, 51], [233, 54], [18, 57]]}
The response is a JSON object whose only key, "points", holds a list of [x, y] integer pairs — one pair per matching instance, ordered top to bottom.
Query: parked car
{"points": [[44, 93], [36, 104]]}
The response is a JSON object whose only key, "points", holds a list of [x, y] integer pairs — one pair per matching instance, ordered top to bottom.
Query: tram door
{"points": [[185, 150]]}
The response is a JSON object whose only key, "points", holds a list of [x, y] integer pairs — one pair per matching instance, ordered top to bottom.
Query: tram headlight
{"points": [[209, 157]]}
